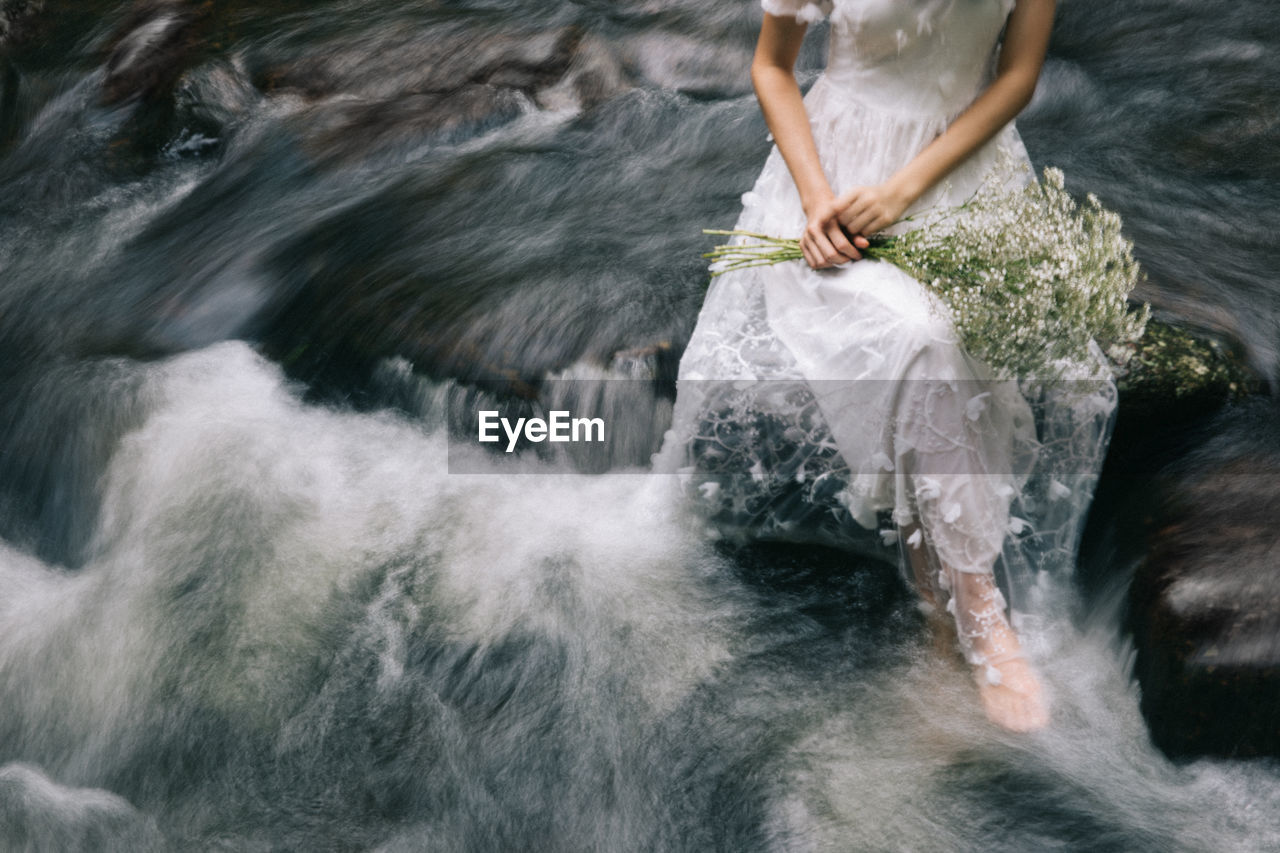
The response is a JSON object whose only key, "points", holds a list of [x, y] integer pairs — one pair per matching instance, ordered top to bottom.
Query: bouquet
{"points": [[1029, 276]]}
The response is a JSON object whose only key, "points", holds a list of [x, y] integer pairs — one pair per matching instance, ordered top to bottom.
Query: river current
{"points": [[248, 600]]}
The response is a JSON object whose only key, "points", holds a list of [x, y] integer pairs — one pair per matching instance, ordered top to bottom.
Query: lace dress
{"points": [[817, 404]]}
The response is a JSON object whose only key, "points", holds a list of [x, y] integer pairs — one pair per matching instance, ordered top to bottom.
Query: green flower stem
{"points": [[776, 250]]}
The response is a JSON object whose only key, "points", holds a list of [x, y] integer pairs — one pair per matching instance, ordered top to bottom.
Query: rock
{"points": [[14, 16], [15, 28], [156, 43], [152, 47], [383, 66], [594, 75], [10, 81], [364, 96], [342, 131], [1172, 363], [1174, 378], [1175, 381], [1205, 603]]}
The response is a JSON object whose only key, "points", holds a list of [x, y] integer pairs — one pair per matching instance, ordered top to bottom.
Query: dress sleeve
{"points": [[804, 11]]}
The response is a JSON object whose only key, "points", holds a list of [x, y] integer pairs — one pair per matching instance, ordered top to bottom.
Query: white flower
{"points": [[810, 13], [1030, 278], [976, 406], [928, 489], [709, 490], [1058, 491], [951, 512], [1017, 525], [889, 536], [915, 538]]}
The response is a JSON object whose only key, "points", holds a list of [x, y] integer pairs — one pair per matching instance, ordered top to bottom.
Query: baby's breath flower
{"points": [[1029, 276]]}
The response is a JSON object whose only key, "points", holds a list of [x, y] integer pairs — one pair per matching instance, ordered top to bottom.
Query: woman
{"points": [[855, 361]]}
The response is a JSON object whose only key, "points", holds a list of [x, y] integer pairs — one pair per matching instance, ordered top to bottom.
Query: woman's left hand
{"points": [[868, 210]]}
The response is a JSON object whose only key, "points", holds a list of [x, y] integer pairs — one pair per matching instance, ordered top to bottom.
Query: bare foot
{"points": [[1008, 688], [1012, 696], [1016, 701]]}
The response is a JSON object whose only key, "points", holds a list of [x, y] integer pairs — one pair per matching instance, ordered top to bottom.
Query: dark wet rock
{"points": [[15, 18], [15, 28], [152, 47], [147, 56], [455, 56], [594, 75], [10, 82], [368, 94], [215, 95], [353, 96], [348, 129], [1172, 363], [1175, 378], [1175, 384], [758, 473], [828, 585], [1205, 603]]}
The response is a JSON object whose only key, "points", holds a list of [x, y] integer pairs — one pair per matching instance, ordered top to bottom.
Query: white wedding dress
{"points": [[813, 404]]}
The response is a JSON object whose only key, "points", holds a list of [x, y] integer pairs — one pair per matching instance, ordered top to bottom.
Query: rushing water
{"points": [[238, 614]]}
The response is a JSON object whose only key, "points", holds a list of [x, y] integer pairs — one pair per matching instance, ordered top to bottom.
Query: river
{"points": [[246, 601]]}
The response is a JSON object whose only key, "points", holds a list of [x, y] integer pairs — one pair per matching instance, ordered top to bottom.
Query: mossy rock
{"points": [[1172, 364], [1175, 379]]}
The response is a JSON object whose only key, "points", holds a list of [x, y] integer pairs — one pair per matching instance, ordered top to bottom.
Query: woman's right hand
{"points": [[824, 242]]}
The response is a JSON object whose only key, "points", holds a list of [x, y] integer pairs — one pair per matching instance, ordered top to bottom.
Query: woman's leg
{"points": [[956, 449], [925, 572], [966, 613], [1011, 694]]}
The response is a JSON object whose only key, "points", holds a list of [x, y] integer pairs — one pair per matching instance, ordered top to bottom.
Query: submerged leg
{"points": [[955, 448], [919, 557], [974, 621], [1011, 693]]}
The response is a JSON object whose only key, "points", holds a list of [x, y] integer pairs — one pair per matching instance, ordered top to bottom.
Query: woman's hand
{"points": [[868, 210], [823, 242]]}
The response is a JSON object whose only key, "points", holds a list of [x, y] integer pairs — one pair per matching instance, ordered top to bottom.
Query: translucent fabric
{"points": [[813, 402]]}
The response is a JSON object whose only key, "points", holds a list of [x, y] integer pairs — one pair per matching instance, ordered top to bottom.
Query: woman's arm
{"points": [[773, 75], [866, 210]]}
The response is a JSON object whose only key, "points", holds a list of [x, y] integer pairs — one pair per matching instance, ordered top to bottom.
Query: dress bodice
{"points": [[928, 57]]}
